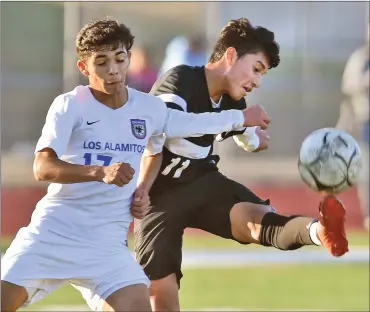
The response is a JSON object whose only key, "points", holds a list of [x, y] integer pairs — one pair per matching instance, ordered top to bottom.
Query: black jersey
{"points": [[185, 159]]}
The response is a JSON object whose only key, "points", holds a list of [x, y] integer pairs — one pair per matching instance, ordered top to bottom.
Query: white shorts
{"points": [[42, 266]]}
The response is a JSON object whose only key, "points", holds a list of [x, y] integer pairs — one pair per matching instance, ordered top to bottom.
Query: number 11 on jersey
{"points": [[173, 164]]}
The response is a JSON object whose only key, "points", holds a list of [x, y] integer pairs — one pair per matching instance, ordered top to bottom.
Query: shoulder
{"points": [[181, 71], [178, 80], [70, 100], [150, 101]]}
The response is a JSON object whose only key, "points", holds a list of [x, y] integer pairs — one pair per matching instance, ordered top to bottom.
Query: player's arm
{"points": [[240, 105], [60, 121], [177, 123], [181, 124], [251, 139], [151, 161], [48, 167], [149, 169]]}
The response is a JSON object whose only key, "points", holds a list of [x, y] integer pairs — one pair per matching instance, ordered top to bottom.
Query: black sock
{"points": [[285, 233]]}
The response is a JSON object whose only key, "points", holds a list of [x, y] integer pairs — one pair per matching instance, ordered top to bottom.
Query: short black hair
{"points": [[103, 34], [246, 39]]}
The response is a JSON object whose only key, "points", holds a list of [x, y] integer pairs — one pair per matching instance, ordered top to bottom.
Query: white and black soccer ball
{"points": [[329, 160]]}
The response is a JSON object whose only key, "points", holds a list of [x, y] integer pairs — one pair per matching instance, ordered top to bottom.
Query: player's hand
{"points": [[256, 116], [264, 139], [118, 173], [140, 204]]}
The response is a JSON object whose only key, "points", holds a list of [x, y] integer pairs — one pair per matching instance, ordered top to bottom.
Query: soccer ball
{"points": [[329, 160]]}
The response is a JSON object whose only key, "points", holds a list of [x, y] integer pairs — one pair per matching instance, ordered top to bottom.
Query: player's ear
{"points": [[231, 56], [82, 67]]}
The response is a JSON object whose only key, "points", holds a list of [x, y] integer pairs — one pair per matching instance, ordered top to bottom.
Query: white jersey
{"points": [[83, 131]]}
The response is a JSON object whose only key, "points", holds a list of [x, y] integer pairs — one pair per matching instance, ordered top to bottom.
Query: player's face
{"points": [[106, 69], [245, 73]]}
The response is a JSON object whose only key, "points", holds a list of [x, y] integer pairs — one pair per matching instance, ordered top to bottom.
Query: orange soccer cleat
{"points": [[331, 230]]}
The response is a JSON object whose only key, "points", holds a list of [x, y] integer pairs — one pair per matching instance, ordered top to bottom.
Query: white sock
{"points": [[313, 233]]}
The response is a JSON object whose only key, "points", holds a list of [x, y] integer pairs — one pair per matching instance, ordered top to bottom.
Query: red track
{"points": [[18, 204]]}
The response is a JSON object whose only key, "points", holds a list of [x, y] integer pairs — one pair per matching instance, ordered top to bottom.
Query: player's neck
{"points": [[215, 81], [113, 101]]}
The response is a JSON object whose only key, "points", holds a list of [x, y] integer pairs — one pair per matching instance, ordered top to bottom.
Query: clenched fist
{"points": [[256, 116], [118, 173], [140, 204]]}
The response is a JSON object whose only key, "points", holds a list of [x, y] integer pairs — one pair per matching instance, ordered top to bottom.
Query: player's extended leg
{"points": [[235, 212], [253, 223], [12, 296], [130, 298]]}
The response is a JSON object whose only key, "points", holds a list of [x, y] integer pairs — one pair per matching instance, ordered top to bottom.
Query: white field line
{"points": [[230, 258], [84, 308]]}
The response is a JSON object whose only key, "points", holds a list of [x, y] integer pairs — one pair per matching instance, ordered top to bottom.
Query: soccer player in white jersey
{"points": [[90, 150]]}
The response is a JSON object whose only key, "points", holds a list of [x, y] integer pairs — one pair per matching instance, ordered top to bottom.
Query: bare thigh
{"points": [[164, 294], [12, 296], [130, 298]]}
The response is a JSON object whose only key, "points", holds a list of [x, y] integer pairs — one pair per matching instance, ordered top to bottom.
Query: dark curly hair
{"points": [[104, 34], [246, 39]]}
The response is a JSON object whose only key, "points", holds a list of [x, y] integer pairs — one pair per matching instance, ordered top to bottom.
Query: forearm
{"points": [[180, 124], [249, 140], [149, 169], [55, 170]]}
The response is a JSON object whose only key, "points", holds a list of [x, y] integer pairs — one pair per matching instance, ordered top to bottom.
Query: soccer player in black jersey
{"points": [[186, 188]]}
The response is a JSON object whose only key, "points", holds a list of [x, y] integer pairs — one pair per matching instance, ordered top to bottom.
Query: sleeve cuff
{"points": [[238, 120], [47, 144]]}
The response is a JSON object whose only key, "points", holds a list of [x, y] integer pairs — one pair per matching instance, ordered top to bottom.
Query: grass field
{"points": [[315, 286], [339, 287]]}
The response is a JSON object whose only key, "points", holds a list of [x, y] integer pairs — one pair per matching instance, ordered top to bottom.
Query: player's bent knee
{"points": [[245, 215], [164, 294], [12, 296], [130, 298]]}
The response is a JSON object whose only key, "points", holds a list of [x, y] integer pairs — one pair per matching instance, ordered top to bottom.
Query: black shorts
{"points": [[203, 204]]}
